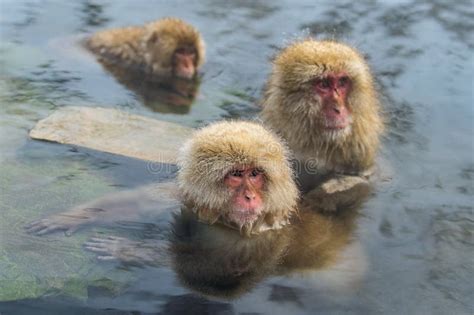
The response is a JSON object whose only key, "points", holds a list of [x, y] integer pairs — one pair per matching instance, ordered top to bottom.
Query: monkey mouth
{"points": [[187, 75], [336, 124], [336, 127], [336, 131], [244, 216]]}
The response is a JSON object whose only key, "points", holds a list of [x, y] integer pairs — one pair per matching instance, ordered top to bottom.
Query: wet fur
{"points": [[147, 48], [214, 151]]}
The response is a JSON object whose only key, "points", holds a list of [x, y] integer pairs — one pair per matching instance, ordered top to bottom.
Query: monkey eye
{"points": [[185, 51], [343, 81], [323, 84], [256, 172], [236, 173]]}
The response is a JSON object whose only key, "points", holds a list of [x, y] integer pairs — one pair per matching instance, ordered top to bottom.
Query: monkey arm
{"points": [[341, 191], [118, 206], [69, 221], [137, 253]]}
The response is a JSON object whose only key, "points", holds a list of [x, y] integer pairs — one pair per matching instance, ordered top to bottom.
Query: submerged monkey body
{"points": [[293, 108], [217, 261]]}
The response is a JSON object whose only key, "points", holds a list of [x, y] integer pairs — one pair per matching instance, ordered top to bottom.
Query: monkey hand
{"points": [[339, 192], [69, 222], [126, 251]]}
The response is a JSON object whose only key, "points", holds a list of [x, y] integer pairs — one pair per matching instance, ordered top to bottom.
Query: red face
{"points": [[184, 63], [333, 91], [246, 185]]}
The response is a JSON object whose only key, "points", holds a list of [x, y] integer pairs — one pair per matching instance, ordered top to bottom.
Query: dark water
{"points": [[413, 250]]}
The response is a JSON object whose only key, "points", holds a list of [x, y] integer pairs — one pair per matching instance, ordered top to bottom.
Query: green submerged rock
{"points": [[32, 266]]}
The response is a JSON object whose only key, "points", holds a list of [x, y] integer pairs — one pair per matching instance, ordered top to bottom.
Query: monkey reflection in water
{"points": [[158, 61], [160, 94], [240, 219]]}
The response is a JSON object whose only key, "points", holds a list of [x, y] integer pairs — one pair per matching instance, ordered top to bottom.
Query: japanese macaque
{"points": [[166, 48], [320, 98], [237, 174], [239, 221], [222, 244]]}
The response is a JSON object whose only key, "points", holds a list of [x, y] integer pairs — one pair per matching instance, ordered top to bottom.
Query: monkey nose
{"points": [[188, 66], [336, 110], [249, 196]]}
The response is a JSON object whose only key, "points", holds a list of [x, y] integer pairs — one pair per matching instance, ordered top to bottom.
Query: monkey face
{"points": [[169, 54], [184, 62], [332, 91], [321, 98], [237, 173], [245, 185]]}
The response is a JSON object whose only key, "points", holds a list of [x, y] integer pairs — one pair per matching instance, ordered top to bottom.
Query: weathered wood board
{"points": [[113, 131]]}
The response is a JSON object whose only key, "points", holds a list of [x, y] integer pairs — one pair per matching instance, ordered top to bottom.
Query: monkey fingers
{"points": [[342, 183], [45, 226], [109, 248], [135, 253]]}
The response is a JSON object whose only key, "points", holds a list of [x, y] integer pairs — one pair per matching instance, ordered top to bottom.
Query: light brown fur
{"points": [[147, 48], [291, 108], [213, 152]]}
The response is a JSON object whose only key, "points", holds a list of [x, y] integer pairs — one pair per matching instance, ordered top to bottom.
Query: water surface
{"points": [[414, 237]]}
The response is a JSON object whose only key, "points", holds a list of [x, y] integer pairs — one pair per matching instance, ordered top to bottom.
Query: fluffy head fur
{"points": [[163, 37], [150, 47], [291, 107], [214, 151]]}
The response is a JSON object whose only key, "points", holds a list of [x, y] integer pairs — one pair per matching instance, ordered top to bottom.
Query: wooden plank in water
{"points": [[113, 131]]}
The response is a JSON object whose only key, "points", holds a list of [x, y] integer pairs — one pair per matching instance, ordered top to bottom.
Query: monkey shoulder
{"points": [[117, 45], [338, 193]]}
